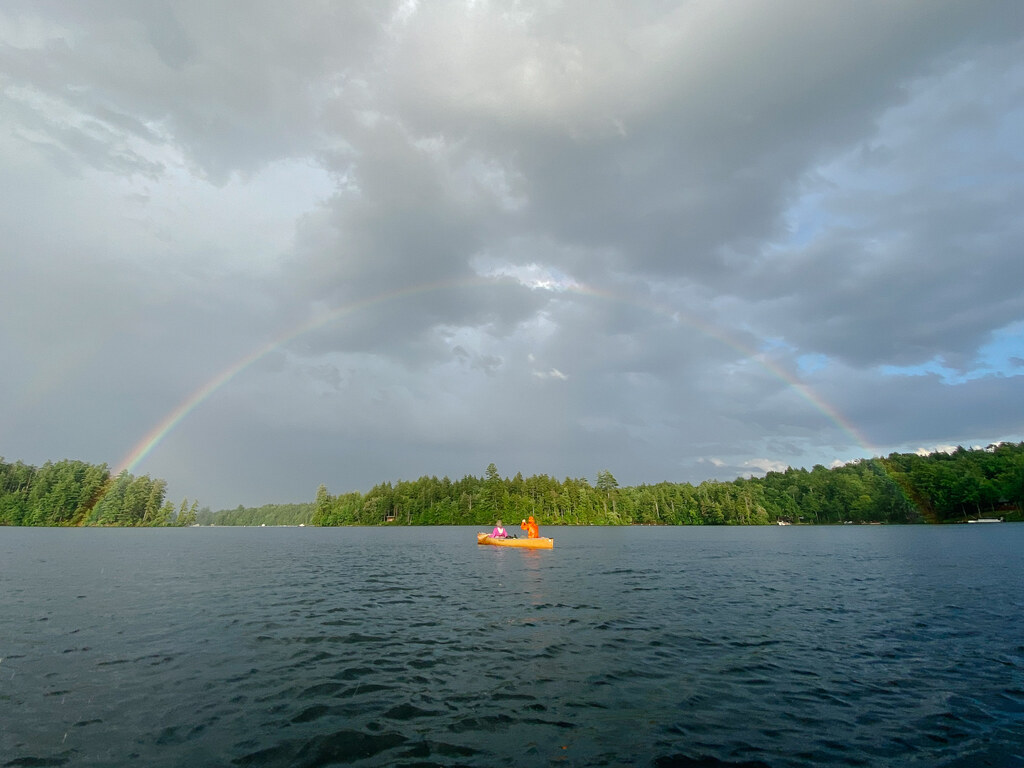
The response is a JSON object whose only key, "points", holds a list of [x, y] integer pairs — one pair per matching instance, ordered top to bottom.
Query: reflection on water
{"points": [[662, 647]]}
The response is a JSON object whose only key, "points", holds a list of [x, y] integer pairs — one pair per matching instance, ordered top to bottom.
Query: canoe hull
{"points": [[541, 543]]}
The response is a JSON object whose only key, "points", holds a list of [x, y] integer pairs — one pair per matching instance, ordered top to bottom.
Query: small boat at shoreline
{"points": [[987, 520], [541, 543]]}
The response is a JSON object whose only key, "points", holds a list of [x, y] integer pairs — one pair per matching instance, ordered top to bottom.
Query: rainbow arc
{"points": [[145, 446]]}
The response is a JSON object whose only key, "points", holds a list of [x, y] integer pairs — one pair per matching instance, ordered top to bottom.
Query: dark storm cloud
{"points": [[675, 240], [922, 260]]}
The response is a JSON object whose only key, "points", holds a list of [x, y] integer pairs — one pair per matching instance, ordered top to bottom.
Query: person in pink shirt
{"points": [[499, 532]]}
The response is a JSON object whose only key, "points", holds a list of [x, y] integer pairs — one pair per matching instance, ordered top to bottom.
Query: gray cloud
{"points": [[379, 240]]}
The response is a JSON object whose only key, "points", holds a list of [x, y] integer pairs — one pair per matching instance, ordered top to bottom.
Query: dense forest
{"points": [[902, 488], [75, 493]]}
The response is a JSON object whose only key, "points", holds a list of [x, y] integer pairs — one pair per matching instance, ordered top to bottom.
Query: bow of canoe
{"points": [[541, 543]]}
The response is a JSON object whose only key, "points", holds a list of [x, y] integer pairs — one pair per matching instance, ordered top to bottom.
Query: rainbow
{"points": [[714, 332], [180, 412]]}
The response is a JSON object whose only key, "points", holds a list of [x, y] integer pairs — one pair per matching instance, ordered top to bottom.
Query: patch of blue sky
{"points": [[827, 198], [806, 220], [771, 343], [1002, 356], [809, 362], [812, 362]]}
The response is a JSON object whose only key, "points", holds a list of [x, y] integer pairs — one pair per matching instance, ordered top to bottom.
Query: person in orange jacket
{"points": [[531, 528]]}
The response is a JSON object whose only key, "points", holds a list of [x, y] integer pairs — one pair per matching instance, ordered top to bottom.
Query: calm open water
{"points": [[874, 646]]}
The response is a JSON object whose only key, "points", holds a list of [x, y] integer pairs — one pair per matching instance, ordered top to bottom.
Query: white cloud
{"points": [[553, 373], [935, 449], [762, 466]]}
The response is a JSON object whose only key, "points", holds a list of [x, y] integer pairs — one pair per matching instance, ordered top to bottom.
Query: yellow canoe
{"points": [[541, 543]]}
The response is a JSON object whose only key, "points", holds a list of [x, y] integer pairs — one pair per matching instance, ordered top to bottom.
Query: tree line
{"points": [[901, 488], [74, 493], [268, 514]]}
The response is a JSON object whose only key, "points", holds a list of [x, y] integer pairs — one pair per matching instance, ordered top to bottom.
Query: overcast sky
{"points": [[253, 247]]}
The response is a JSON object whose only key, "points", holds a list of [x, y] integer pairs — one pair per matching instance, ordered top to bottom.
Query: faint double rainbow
{"points": [[180, 412]]}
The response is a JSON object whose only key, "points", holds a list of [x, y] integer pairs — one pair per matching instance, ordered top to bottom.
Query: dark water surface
{"points": [[645, 646]]}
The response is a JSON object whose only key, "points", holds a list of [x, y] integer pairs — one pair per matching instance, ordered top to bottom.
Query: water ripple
{"points": [[693, 647]]}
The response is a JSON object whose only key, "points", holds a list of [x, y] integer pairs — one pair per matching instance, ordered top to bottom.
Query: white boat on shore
{"points": [[987, 520]]}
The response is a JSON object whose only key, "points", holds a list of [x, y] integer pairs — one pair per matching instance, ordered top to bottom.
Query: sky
{"points": [[255, 247]]}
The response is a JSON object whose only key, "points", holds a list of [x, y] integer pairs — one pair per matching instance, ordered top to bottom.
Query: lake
{"points": [[665, 647]]}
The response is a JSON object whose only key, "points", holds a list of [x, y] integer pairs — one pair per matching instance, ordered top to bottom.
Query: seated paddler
{"points": [[499, 531]]}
